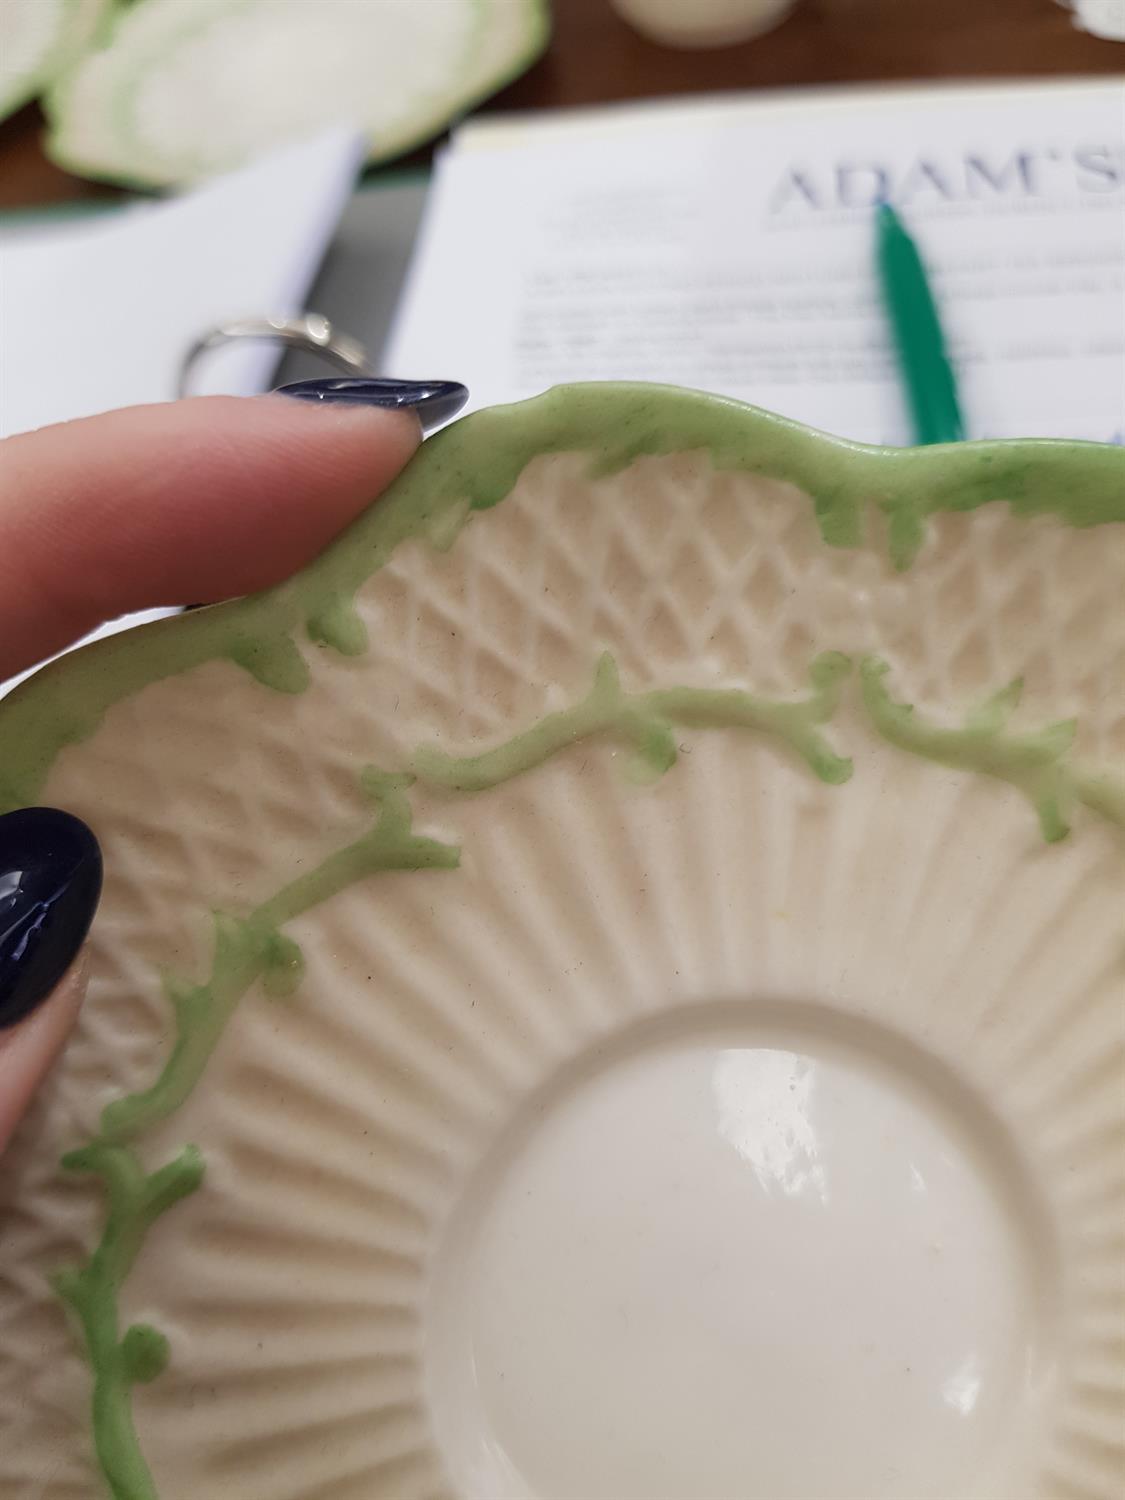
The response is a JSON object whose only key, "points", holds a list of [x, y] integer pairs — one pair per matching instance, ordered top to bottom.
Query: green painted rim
{"points": [[475, 463], [470, 466]]}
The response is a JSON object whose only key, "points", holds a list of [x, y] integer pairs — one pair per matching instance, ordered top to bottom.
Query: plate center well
{"points": [[749, 1258]]}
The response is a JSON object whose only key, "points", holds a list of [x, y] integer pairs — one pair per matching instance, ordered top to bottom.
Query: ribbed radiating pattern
{"points": [[341, 1125]]}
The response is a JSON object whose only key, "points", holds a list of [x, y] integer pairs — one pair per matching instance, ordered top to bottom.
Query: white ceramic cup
{"points": [[703, 23]]}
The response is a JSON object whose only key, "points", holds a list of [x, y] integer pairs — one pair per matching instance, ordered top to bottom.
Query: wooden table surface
{"points": [[595, 57]]}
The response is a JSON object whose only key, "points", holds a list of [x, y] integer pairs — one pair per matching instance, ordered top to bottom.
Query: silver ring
{"points": [[310, 331]]}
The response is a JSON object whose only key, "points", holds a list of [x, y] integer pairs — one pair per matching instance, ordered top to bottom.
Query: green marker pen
{"points": [[930, 384]]}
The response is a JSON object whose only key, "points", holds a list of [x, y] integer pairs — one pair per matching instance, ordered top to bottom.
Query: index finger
{"points": [[191, 501]]}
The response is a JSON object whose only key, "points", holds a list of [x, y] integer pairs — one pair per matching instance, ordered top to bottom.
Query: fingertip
{"points": [[389, 435], [192, 501], [50, 885], [29, 1048]]}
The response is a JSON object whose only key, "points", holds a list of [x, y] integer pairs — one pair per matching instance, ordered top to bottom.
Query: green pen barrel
{"points": [[927, 373]]}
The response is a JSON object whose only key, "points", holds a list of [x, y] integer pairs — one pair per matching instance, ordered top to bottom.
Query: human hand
{"points": [[197, 501]]}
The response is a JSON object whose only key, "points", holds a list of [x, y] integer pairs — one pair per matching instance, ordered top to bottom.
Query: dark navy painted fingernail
{"points": [[434, 401], [50, 881]]}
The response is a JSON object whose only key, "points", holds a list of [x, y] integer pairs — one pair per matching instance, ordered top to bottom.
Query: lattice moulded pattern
{"points": [[427, 1164]]}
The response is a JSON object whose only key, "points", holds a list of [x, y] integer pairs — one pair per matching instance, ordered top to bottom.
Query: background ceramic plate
{"points": [[732, 1134]]}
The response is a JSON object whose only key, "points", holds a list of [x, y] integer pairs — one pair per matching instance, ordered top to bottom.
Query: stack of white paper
{"points": [[728, 245], [97, 312]]}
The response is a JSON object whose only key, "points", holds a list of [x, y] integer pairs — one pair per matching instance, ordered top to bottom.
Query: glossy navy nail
{"points": [[434, 401], [50, 881]]}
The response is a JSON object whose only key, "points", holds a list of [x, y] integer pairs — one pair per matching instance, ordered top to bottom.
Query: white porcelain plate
{"points": [[724, 1126]]}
